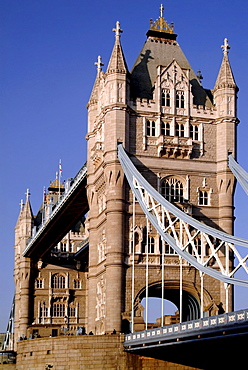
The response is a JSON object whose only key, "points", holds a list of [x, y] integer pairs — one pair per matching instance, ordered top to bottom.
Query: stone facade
{"points": [[178, 135], [83, 353]]}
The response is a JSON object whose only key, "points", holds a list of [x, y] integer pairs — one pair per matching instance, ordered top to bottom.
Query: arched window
{"points": [[165, 98], [177, 100], [180, 102], [165, 128], [162, 130], [180, 130], [172, 190], [58, 281], [43, 310]]}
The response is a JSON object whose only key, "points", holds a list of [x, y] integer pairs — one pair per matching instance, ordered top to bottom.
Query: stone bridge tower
{"points": [[178, 135]]}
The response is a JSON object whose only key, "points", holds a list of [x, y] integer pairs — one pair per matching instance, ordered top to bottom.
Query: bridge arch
{"points": [[191, 305]]}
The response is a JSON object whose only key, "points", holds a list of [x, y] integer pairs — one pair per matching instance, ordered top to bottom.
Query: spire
{"points": [[117, 61], [225, 77], [25, 209]]}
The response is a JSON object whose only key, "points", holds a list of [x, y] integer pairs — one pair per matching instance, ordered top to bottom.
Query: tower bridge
{"points": [[150, 216]]}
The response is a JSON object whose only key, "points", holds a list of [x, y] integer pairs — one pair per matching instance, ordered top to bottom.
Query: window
{"points": [[165, 98], [180, 99], [150, 128], [165, 128], [179, 129], [163, 131], [167, 132], [194, 132], [172, 190], [203, 198], [144, 237], [151, 245], [63, 247], [197, 247], [167, 248], [58, 281], [39, 283], [77, 284], [58, 309], [43, 311], [72, 311]]}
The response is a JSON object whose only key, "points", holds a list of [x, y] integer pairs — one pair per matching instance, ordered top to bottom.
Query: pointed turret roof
{"points": [[117, 62], [225, 77], [94, 93], [26, 210]]}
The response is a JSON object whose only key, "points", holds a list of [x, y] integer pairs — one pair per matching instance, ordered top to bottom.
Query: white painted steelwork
{"points": [[182, 232]]}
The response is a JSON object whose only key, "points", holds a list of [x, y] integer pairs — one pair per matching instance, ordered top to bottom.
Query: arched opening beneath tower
{"points": [[151, 300], [154, 309]]}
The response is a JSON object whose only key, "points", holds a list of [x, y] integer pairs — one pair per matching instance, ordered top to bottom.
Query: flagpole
{"points": [[60, 174]]}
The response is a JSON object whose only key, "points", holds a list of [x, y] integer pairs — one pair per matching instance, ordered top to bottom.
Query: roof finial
{"points": [[161, 11], [160, 24], [117, 30], [225, 47], [99, 63], [27, 195], [21, 204]]}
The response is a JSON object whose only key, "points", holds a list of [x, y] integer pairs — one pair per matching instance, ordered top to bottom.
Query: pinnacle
{"points": [[117, 61], [225, 77]]}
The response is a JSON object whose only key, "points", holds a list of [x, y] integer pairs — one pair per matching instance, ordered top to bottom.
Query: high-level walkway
{"points": [[66, 213]]}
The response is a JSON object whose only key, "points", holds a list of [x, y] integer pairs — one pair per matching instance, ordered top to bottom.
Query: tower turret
{"points": [[225, 89], [108, 123], [23, 232]]}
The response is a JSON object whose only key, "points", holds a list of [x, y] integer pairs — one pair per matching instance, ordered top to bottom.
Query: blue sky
{"points": [[48, 51]]}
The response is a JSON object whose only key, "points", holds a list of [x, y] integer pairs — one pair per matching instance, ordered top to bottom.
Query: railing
{"points": [[173, 331]]}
